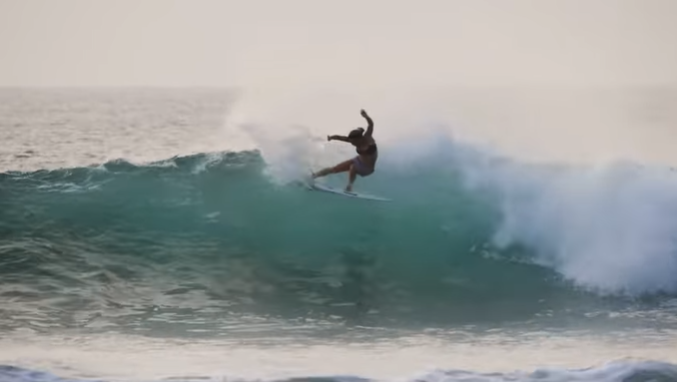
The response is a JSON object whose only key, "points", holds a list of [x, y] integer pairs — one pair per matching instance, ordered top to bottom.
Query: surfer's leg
{"points": [[341, 167], [356, 168], [351, 178]]}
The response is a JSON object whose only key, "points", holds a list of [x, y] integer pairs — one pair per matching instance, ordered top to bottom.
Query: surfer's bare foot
{"points": [[349, 188]]}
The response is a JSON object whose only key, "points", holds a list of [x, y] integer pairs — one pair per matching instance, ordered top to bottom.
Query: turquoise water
{"points": [[218, 229]]}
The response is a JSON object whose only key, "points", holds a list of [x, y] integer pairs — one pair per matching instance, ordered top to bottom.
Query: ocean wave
{"points": [[469, 238]]}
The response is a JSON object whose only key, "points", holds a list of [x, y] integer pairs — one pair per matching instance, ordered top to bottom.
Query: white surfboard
{"points": [[331, 190]]}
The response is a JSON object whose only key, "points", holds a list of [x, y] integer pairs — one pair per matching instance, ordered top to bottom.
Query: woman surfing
{"points": [[364, 163]]}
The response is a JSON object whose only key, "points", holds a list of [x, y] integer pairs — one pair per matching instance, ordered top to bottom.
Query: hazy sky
{"points": [[370, 42], [316, 62]]}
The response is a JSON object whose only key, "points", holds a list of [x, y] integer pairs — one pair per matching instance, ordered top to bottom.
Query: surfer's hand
{"points": [[363, 113], [329, 137]]}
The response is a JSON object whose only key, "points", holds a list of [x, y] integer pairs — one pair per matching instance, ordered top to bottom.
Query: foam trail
{"points": [[291, 151]]}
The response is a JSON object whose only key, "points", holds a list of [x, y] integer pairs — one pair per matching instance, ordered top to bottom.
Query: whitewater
{"points": [[141, 240]]}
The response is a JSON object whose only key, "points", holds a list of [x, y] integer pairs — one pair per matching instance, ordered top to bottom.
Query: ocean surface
{"points": [[140, 241]]}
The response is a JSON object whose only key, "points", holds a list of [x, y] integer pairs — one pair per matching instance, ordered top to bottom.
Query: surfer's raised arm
{"points": [[370, 128]]}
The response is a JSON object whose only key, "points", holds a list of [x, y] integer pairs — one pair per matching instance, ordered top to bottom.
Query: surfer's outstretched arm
{"points": [[370, 128], [338, 138]]}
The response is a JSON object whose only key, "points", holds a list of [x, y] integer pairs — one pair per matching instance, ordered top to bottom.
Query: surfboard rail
{"points": [[357, 195]]}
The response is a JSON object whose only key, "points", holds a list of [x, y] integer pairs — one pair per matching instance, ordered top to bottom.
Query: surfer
{"points": [[364, 163]]}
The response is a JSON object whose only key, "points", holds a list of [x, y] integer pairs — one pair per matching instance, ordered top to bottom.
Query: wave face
{"points": [[473, 240]]}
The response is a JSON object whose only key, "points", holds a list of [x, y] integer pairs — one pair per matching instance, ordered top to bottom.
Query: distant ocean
{"points": [[134, 247]]}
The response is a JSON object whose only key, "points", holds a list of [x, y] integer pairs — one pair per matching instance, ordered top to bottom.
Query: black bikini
{"points": [[370, 150]]}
